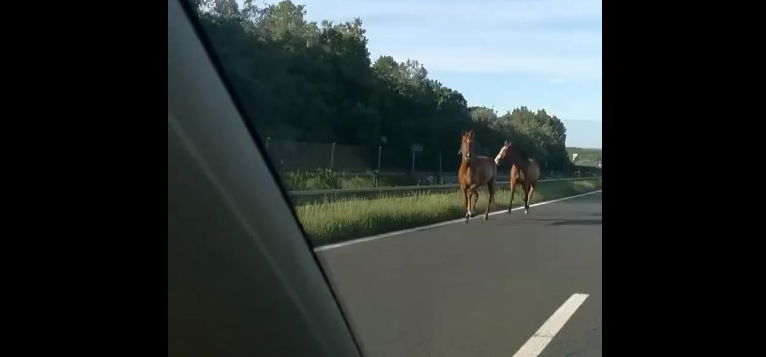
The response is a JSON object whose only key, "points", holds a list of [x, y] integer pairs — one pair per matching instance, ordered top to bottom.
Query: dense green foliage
{"points": [[304, 81]]}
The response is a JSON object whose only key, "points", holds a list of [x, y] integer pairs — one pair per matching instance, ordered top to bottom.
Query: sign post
{"points": [[380, 148], [415, 148], [332, 156], [439, 176]]}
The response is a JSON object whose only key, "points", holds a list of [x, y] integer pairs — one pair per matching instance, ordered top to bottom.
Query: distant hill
{"points": [[585, 156]]}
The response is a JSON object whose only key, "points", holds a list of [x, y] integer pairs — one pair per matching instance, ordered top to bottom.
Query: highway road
{"points": [[516, 285]]}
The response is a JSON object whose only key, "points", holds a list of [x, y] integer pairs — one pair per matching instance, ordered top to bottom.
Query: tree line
{"points": [[304, 81]]}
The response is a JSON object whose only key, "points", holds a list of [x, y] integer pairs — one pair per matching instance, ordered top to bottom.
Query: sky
{"points": [[542, 54]]}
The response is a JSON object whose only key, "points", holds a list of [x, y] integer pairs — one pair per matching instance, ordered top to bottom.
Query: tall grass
{"points": [[324, 179], [329, 222]]}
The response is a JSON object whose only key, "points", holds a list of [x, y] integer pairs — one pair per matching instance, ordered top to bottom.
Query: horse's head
{"points": [[466, 145], [503, 152]]}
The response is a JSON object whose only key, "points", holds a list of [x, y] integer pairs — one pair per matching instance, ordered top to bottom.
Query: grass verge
{"points": [[326, 180], [331, 222]]}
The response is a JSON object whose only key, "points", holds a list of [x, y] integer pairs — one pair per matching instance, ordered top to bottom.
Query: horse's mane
{"points": [[520, 152]]}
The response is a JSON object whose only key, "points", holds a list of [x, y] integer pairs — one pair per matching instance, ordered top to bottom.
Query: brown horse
{"points": [[475, 171], [524, 171]]}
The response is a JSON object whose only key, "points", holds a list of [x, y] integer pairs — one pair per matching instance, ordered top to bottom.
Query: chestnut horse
{"points": [[475, 171], [524, 171]]}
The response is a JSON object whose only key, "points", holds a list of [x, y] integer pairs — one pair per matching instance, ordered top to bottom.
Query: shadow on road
{"points": [[568, 222], [579, 222]]}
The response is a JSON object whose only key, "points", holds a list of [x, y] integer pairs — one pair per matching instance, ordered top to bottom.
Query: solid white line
{"points": [[430, 226], [543, 336]]}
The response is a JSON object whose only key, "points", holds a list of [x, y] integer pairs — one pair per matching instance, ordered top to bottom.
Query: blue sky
{"points": [[543, 54]]}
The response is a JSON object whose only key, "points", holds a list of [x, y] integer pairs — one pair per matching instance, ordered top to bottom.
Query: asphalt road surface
{"points": [[479, 289]]}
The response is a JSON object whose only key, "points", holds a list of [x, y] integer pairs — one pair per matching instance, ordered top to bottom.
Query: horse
{"points": [[524, 171], [474, 172]]}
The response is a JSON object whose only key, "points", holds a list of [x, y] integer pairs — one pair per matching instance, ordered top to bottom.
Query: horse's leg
{"points": [[526, 187], [513, 189], [491, 190], [529, 197], [475, 199], [471, 201], [465, 203]]}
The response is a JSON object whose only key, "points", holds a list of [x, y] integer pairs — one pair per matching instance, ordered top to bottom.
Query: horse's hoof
{"points": [[526, 211]]}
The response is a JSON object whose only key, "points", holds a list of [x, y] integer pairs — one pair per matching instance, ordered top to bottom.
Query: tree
{"points": [[305, 81], [483, 115]]}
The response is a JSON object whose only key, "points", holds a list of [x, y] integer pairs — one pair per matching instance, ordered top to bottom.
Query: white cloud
{"points": [[452, 13], [559, 39], [531, 41], [549, 49], [457, 60]]}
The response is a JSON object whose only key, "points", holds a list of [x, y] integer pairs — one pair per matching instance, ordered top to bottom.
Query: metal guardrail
{"points": [[404, 188]]}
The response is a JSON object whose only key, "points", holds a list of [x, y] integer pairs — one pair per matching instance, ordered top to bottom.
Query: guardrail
{"points": [[381, 190]]}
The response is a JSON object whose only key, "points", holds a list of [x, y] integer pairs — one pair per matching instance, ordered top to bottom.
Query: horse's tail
{"points": [[534, 172]]}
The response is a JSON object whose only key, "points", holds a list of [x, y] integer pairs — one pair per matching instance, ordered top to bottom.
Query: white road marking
{"points": [[430, 226], [545, 333]]}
